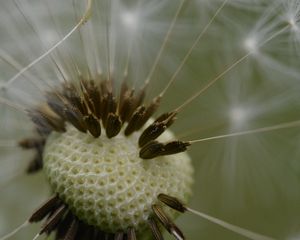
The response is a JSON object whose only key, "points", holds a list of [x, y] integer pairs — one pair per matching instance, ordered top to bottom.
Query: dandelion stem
{"points": [[85, 17], [165, 41], [186, 57], [228, 69], [258, 130], [244, 232], [9, 235]]}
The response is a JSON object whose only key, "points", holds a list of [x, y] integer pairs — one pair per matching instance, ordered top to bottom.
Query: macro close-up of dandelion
{"points": [[150, 119]]}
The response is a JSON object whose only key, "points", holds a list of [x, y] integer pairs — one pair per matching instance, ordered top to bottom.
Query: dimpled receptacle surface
{"points": [[106, 184]]}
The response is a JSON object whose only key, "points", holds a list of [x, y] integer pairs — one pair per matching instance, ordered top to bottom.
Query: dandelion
{"points": [[112, 105]]}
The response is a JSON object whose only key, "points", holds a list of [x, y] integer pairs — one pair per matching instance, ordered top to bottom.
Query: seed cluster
{"points": [[93, 105], [93, 143], [69, 227]]}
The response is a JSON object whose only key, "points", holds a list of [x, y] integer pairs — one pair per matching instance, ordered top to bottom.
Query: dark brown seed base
{"points": [[93, 105], [66, 226]]}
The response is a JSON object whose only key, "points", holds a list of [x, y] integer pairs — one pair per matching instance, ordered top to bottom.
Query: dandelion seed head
{"points": [[136, 39], [106, 183]]}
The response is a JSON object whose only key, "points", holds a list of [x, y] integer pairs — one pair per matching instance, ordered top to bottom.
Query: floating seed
{"points": [[113, 125], [151, 150], [172, 202], [45, 209], [167, 222], [157, 235]]}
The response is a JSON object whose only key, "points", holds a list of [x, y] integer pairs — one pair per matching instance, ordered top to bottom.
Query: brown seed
{"points": [[91, 95], [70, 96], [96, 99], [136, 101], [55, 103], [108, 105], [126, 106], [150, 110], [74, 116], [135, 119], [46, 120], [56, 123], [93, 125], [113, 125], [157, 128], [152, 132], [29, 143], [175, 147], [151, 150], [35, 164], [172, 202], [45, 209], [53, 220], [167, 222], [63, 226], [72, 230], [84, 232], [131, 235], [157, 235], [119, 236]]}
